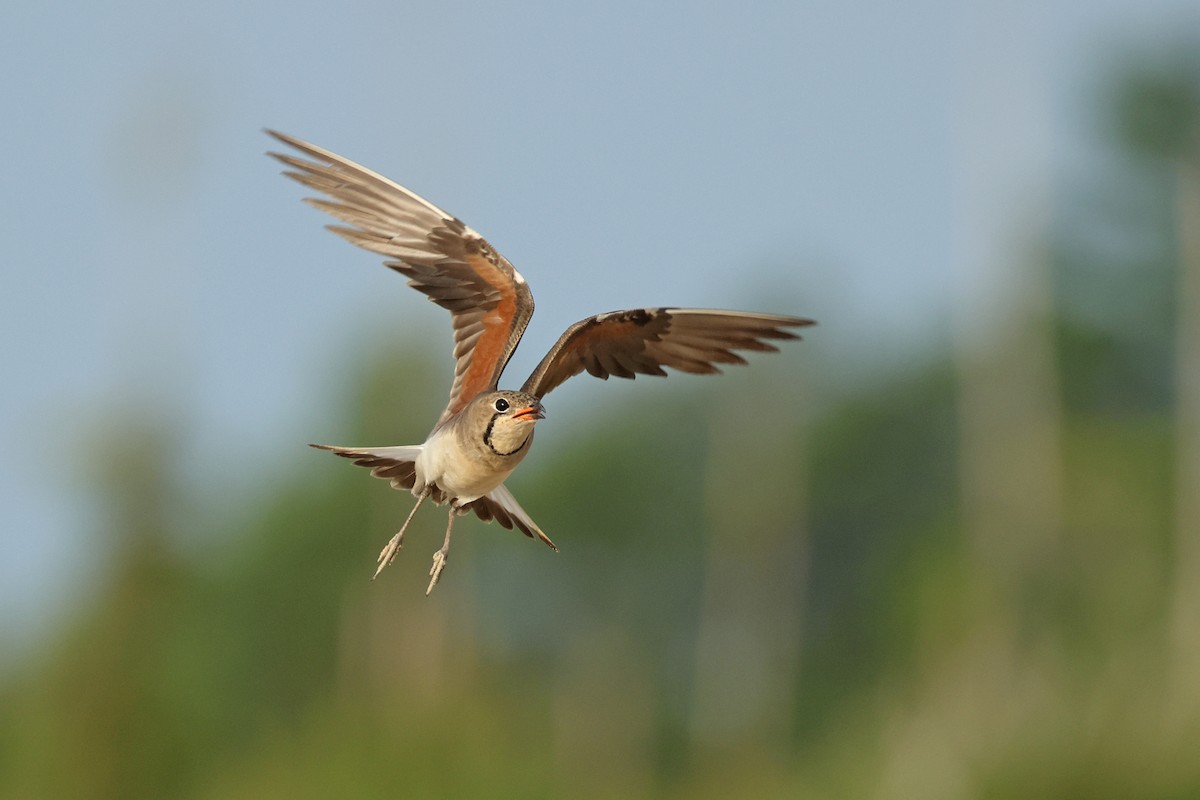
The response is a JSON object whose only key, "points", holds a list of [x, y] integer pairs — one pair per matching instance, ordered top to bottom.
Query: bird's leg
{"points": [[388, 554], [439, 558]]}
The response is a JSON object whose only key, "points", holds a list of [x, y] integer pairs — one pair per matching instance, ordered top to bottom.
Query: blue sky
{"points": [[858, 163]]}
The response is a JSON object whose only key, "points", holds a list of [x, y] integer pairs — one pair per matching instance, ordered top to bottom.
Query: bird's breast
{"points": [[464, 470]]}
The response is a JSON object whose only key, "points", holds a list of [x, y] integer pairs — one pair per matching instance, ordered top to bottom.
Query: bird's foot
{"points": [[388, 554], [435, 572]]}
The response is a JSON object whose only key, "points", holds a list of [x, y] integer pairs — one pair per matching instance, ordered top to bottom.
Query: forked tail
{"points": [[395, 464]]}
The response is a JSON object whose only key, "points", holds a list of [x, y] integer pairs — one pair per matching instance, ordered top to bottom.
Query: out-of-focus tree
{"points": [[1158, 119]]}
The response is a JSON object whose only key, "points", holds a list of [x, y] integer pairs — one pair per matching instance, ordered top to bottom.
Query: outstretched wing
{"points": [[489, 302], [644, 340]]}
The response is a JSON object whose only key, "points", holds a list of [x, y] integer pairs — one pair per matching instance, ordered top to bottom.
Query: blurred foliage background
{"points": [[973, 576]]}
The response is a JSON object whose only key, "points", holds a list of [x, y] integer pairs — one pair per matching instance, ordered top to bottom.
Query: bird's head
{"points": [[505, 419]]}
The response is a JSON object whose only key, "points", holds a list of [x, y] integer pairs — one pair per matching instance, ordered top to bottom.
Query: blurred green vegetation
{"points": [[803, 601]]}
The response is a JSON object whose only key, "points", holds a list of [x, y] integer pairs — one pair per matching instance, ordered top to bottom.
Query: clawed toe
{"points": [[388, 554], [435, 572]]}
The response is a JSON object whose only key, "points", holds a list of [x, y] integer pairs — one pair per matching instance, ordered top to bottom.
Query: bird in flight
{"points": [[485, 431]]}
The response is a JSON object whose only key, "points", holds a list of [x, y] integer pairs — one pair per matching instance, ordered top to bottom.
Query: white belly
{"points": [[459, 473]]}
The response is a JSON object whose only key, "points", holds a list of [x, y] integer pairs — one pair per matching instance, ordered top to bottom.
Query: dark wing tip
{"points": [[282, 137], [787, 322], [800, 322]]}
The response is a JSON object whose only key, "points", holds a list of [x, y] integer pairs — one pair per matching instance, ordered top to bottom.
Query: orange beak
{"points": [[533, 412]]}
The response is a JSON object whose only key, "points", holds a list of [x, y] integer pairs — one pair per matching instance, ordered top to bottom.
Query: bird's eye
{"points": [[501, 404]]}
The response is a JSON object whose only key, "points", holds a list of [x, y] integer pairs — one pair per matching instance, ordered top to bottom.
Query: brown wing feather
{"points": [[488, 300], [643, 341]]}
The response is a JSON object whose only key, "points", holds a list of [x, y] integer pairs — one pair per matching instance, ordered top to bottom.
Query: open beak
{"points": [[531, 413]]}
